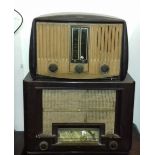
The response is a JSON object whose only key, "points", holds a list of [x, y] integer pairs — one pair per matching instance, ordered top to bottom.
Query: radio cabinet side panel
{"points": [[32, 51], [124, 56], [32, 114], [126, 118]]}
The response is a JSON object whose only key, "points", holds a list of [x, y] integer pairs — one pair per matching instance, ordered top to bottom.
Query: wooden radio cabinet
{"points": [[78, 116]]}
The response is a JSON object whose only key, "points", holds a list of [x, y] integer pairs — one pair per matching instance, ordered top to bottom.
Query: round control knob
{"points": [[53, 67], [79, 68], [104, 68], [113, 145], [43, 146]]}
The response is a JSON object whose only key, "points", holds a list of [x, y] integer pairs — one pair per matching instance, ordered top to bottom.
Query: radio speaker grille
{"points": [[52, 47], [79, 106]]}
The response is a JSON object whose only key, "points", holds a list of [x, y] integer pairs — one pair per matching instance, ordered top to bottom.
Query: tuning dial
{"points": [[53, 67], [79, 68], [104, 68], [113, 145], [43, 146]]}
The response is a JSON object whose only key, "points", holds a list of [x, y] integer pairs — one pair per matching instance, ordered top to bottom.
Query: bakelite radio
{"points": [[78, 47], [72, 104]]}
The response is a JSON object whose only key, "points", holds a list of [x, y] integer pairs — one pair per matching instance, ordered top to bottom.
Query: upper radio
{"points": [[76, 46]]}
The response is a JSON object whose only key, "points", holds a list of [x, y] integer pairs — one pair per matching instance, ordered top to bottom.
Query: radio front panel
{"points": [[78, 51], [72, 116]]}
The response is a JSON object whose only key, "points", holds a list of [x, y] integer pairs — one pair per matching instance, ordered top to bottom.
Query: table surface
{"points": [[19, 142]]}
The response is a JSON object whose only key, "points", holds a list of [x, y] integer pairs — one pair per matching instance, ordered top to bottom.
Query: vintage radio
{"points": [[76, 46], [78, 117]]}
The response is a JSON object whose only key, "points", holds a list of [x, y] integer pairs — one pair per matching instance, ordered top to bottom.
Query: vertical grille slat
{"points": [[47, 42]]}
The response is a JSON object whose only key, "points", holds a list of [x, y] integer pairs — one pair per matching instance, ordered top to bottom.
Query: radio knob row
{"points": [[78, 68], [113, 145]]}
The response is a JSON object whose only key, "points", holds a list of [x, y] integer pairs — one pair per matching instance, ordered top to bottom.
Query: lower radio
{"points": [[78, 117]]}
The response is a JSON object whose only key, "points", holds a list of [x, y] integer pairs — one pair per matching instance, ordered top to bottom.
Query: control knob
{"points": [[53, 67], [79, 68], [104, 68], [113, 145], [43, 146]]}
